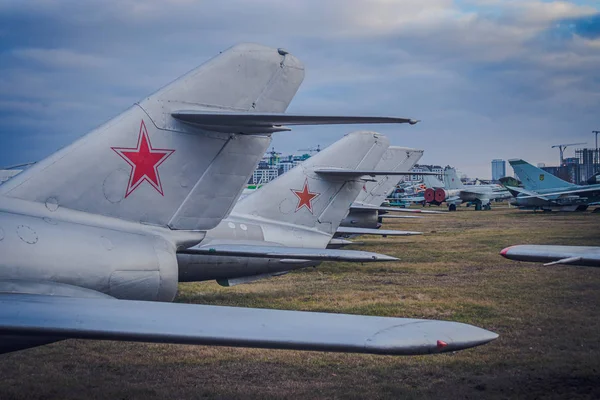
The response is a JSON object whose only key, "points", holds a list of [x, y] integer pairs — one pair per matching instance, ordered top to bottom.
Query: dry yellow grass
{"points": [[548, 319]]}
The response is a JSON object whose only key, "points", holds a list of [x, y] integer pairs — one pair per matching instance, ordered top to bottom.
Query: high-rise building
{"points": [[498, 169]]}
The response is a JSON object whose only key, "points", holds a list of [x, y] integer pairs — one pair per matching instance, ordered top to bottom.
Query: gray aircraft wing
{"points": [[258, 123], [544, 196], [358, 206], [379, 232], [281, 252], [551, 255], [42, 316]]}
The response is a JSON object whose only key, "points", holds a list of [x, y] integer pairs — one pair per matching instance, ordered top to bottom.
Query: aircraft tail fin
{"points": [[396, 158], [147, 166], [534, 178], [451, 179], [432, 182], [303, 197]]}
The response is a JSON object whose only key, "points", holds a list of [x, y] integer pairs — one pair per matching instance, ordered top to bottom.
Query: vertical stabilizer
{"points": [[396, 158], [145, 166], [534, 178], [451, 179], [432, 182], [303, 197]]}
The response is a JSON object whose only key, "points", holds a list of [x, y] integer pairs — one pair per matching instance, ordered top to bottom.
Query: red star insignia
{"points": [[144, 161], [305, 197]]}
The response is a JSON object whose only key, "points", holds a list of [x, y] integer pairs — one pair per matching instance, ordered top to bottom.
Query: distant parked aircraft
{"points": [[542, 190], [453, 192]]}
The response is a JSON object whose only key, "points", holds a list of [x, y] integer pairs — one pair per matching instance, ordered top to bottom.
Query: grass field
{"points": [[548, 319]]}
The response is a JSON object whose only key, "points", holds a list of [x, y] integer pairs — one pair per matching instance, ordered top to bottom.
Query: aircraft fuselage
{"points": [[250, 230], [122, 259]]}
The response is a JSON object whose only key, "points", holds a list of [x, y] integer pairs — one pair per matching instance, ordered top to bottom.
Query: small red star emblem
{"points": [[144, 161], [305, 197]]}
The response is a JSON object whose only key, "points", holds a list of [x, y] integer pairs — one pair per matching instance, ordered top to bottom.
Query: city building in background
{"points": [[274, 164], [425, 168], [498, 169], [577, 169]]}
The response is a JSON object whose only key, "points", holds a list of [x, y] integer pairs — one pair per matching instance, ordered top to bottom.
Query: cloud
{"points": [[61, 58], [483, 75]]}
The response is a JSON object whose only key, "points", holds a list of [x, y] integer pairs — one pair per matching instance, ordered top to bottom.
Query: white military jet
{"points": [[375, 192], [453, 192], [367, 209], [290, 221], [89, 236], [588, 256]]}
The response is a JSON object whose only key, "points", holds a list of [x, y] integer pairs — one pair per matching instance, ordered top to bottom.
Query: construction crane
{"points": [[561, 149], [312, 150], [274, 156]]}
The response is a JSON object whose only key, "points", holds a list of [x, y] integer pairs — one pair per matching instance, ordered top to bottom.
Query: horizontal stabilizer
{"points": [[258, 123], [352, 172], [595, 188], [357, 206], [379, 232], [281, 252], [141, 321]]}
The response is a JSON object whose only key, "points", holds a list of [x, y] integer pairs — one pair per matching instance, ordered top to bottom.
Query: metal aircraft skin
{"points": [[6, 174], [542, 190], [453, 192], [374, 193], [295, 216], [89, 236], [588, 256]]}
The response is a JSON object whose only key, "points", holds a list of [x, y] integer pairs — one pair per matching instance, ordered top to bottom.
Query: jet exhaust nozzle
{"points": [[429, 195], [440, 195]]}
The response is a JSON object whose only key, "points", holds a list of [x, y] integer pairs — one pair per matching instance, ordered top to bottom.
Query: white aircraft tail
{"points": [[396, 158], [148, 166], [534, 178], [451, 179], [432, 182], [304, 197]]}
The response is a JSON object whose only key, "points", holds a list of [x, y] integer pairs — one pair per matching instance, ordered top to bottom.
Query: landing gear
{"points": [[477, 206], [488, 206], [452, 207]]}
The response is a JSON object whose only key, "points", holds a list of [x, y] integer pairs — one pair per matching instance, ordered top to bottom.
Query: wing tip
{"points": [[504, 252]]}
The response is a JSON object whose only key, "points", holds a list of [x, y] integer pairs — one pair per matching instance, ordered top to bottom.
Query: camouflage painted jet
{"points": [[542, 190], [453, 192], [290, 221], [89, 236], [588, 256]]}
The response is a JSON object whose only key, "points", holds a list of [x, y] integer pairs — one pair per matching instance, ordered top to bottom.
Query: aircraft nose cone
{"points": [[429, 337]]}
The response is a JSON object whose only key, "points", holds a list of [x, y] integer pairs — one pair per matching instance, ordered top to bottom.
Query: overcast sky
{"points": [[488, 78]]}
